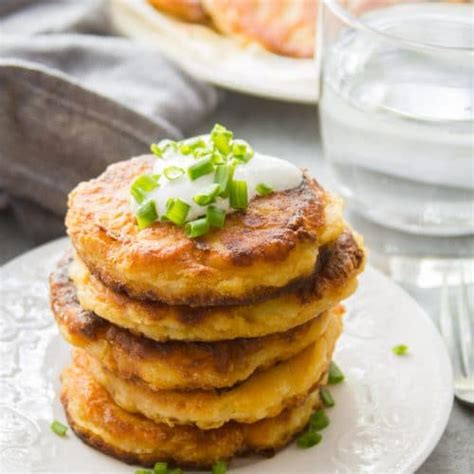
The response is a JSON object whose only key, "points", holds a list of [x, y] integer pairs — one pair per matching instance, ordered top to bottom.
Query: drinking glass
{"points": [[396, 111]]}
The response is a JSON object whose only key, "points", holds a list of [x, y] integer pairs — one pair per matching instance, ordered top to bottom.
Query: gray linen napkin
{"points": [[74, 99]]}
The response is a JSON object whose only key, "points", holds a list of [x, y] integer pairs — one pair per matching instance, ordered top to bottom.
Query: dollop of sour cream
{"points": [[279, 174]]}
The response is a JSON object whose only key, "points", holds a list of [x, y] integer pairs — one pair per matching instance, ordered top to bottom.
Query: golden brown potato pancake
{"points": [[187, 10], [285, 27], [259, 253], [335, 279], [172, 365], [264, 394], [132, 438]]}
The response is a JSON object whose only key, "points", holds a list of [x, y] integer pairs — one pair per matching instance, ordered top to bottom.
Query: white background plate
{"points": [[217, 59], [389, 414]]}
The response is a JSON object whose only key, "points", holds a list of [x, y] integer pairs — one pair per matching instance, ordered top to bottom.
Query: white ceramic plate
{"points": [[217, 59], [389, 414]]}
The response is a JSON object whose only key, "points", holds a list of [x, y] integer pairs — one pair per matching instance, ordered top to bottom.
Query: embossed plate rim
{"points": [[364, 352]]}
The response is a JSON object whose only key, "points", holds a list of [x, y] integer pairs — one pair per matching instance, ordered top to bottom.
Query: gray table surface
{"points": [[291, 132]]}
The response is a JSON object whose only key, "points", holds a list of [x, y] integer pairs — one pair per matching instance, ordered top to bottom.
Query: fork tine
{"points": [[464, 325]]}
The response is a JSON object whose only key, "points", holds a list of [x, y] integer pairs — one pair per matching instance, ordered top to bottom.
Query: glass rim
{"points": [[347, 17]]}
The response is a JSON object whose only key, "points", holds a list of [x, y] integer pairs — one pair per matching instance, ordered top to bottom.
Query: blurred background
{"points": [[374, 97]]}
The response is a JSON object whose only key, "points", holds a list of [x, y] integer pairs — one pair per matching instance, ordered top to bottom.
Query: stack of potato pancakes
{"points": [[191, 351]]}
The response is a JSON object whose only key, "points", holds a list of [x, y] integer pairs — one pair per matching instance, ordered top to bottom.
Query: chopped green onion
{"points": [[222, 138], [166, 143], [191, 145], [156, 150], [242, 150], [200, 168], [173, 172], [223, 177], [143, 185], [263, 189], [208, 195], [238, 195], [176, 211], [146, 214], [216, 216], [197, 228], [400, 350], [335, 374], [326, 397], [319, 420], [58, 428], [309, 439], [220, 467], [160, 468], [176, 470], [143, 471]]}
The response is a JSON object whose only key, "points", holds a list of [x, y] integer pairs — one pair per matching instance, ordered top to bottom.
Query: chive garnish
{"points": [[221, 137], [156, 150], [242, 150], [200, 168], [173, 172], [223, 177], [143, 185], [263, 189], [208, 195], [238, 195], [176, 211], [146, 214], [216, 217], [197, 228], [400, 350], [335, 374], [326, 397], [319, 420], [58, 428], [309, 439], [220, 467], [160, 468], [176, 470], [143, 471]]}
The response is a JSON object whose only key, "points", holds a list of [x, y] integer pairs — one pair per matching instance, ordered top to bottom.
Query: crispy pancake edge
{"points": [[270, 246], [335, 279], [173, 364], [264, 394], [100, 423]]}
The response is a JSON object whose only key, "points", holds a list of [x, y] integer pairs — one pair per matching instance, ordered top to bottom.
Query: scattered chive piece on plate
{"points": [[201, 168], [173, 172], [263, 189], [207, 195], [238, 195], [177, 211], [146, 214], [215, 217], [197, 228], [400, 350], [335, 374], [326, 397], [319, 420], [58, 428], [309, 439], [220, 467], [160, 468], [143, 471]]}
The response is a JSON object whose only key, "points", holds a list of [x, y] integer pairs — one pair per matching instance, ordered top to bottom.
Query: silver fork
{"points": [[457, 328]]}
